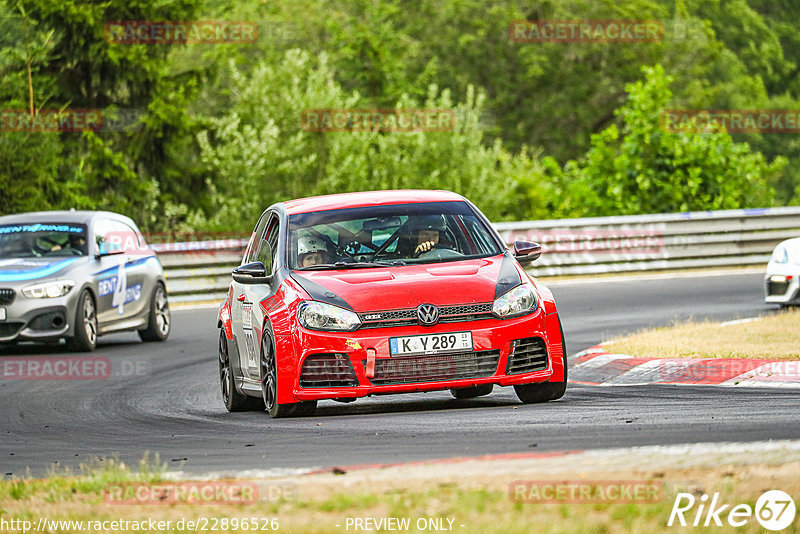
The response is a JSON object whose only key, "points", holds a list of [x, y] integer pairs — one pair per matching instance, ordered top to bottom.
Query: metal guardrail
{"points": [[656, 242], [201, 270]]}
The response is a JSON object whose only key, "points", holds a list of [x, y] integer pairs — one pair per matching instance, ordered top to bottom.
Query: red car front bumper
{"points": [[487, 335]]}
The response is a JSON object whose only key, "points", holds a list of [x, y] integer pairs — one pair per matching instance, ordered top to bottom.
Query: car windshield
{"points": [[396, 234], [42, 240]]}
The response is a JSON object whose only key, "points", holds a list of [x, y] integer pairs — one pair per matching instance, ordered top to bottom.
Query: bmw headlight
{"points": [[780, 255], [48, 290], [517, 301], [320, 316]]}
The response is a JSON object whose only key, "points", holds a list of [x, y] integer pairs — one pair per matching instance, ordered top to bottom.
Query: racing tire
{"points": [[158, 320], [85, 335], [269, 386], [472, 391], [546, 391], [234, 401], [305, 408]]}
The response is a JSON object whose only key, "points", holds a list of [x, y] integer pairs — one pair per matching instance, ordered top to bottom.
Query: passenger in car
{"points": [[77, 244]]}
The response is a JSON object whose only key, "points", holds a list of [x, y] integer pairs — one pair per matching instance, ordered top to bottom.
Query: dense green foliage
{"points": [[543, 130], [646, 169]]}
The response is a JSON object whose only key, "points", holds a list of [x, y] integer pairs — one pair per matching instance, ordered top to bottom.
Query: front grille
{"points": [[777, 288], [7, 296], [469, 312], [407, 317], [388, 318], [10, 329], [527, 355], [436, 367], [327, 371]]}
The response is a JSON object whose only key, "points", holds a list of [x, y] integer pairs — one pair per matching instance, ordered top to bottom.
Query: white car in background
{"points": [[783, 271], [77, 275]]}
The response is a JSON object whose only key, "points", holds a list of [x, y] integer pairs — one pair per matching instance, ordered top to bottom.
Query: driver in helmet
{"points": [[427, 230], [77, 242], [311, 251]]}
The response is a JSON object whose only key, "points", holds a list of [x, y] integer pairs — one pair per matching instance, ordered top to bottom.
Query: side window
{"points": [[476, 230], [111, 235], [104, 237], [128, 237], [272, 239], [268, 244], [252, 247]]}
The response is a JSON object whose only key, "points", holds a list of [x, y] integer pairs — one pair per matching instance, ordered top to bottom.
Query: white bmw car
{"points": [[783, 271], [77, 275]]}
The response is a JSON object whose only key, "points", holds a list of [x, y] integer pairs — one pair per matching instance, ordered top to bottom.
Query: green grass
{"points": [[89, 481], [343, 502], [481, 509]]}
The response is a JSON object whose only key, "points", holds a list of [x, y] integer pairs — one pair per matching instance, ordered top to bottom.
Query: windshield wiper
{"points": [[344, 265]]}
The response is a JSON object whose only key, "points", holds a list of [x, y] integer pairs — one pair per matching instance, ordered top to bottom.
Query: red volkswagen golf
{"points": [[357, 294]]}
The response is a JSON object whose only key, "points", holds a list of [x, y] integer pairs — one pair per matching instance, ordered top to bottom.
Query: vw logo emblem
{"points": [[428, 314]]}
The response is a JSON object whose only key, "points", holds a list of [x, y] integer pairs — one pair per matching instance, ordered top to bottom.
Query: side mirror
{"points": [[526, 251], [251, 273]]}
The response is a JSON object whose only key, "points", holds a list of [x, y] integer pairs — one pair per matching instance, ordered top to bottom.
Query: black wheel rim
{"points": [[162, 311], [89, 320], [224, 369], [269, 380]]}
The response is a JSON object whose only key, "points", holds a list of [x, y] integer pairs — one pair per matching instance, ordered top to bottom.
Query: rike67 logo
{"points": [[774, 510]]}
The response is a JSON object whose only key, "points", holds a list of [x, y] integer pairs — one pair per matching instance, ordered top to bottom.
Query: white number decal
{"points": [[118, 298]]}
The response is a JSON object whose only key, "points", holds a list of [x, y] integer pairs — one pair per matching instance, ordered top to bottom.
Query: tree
{"points": [[73, 66], [259, 152], [645, 168]]}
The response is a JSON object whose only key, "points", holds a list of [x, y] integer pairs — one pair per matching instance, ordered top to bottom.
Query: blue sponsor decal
{"points": [[19, 228], [129, 265], [35, 269], [109, 285], [117, 286], [133, 293]]}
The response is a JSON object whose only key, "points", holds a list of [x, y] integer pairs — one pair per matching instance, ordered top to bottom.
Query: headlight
{"points": [[780, 255], [48, 290], [517, 301], [320, 316]]}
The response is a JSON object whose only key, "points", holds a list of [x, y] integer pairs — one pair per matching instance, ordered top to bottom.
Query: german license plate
{"points": [[2, 314], [430, 344]]}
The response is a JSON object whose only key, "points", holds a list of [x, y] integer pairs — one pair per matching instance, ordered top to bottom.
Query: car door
{"points": [[109, 273], [255, 293], [133, 296], [242, 308]]}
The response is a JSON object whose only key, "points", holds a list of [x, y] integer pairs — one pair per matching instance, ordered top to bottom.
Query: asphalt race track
{"points": [[165, 399]]}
